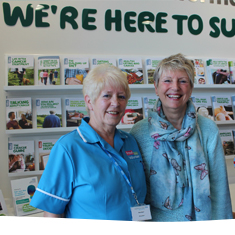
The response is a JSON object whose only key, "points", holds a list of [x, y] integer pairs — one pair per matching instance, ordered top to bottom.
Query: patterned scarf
{"points": [[179, 177]]}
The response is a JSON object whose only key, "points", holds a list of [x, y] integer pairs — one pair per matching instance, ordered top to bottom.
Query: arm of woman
{"points": [[56, 184], [220, 195], [51, 215]]}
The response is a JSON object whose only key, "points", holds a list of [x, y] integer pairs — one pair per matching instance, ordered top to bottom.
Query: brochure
{"points": [[97, 61], [231, 65], [150, 66], [133, 69], [20, 70], [49, 70], [75, 70], [199, 71], [218, 71], [148, 103], [233, 104], [203, 106], [222, 108], [75, 111], [133, 112], [18, 113], [49, 113], [233, 131], [227, 141], [44, 149], [21, 156], [22, 192], [3, 206]]}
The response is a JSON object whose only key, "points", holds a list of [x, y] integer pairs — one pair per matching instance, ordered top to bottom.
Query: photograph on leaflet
{"points": [[133, 69], [20, 70], [48, 70], [75, 70], [222, 108], [75, 111], [133, 112], [19, 113], [49, 113], [44, 149], [21, 156]]}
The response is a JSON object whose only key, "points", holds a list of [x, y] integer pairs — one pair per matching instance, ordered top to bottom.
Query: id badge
{"points": [[141, 213]]}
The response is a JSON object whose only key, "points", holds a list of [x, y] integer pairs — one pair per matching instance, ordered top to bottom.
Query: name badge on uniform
{"points": [[141, 213]]}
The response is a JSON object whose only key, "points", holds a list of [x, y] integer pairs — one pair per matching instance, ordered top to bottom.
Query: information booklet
{"points": [[98, 61], [231, 65], [150, 66], [133, 69], [20, 70], [48, 70], [75, 70], [199, 71], [218, 71], [148, 103], [233, 104], [203, 106], [222, 108], [75, 111], [133, 112], [18, 113], [49, 113], [233, 131], [227, 141], [44, 149], [21, 156], [22, 192], [3, 206]]}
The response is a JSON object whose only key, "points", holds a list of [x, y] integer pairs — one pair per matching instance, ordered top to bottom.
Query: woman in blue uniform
{"points": [[95, 171]]}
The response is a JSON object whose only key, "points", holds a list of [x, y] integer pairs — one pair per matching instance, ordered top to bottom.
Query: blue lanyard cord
{"points": [[122, 172]]}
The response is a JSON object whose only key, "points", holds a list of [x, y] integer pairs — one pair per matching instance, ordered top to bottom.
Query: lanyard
{"points": [[122, 172]]}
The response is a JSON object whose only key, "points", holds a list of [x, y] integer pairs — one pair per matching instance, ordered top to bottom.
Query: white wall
{"points": [[56, 41]]}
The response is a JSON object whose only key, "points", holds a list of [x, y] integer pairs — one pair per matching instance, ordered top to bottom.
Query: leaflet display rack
{"points": [[65, 91]]}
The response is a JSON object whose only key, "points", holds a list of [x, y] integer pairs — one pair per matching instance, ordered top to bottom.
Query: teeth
{"points": [[174, 96], [113, 112]]}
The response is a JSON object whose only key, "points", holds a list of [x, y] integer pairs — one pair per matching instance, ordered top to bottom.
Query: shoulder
{"points": [[9, 124], [207, 125], [139, 127], [209, 131], [141, 133], [69, 138], [69, 145]]}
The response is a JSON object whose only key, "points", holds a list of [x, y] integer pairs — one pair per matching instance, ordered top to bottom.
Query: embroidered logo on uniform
{"points": [[130, 152], [132, 155]]}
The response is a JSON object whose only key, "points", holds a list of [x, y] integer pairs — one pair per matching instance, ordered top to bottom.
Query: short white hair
{"points": [[101, 76]]}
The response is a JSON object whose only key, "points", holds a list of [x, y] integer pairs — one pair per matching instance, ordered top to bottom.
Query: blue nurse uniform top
{"points": [[81, 181]]}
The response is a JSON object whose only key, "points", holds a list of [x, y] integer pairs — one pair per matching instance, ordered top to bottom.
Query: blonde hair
{"points": [[172, 63], [101, 76]]}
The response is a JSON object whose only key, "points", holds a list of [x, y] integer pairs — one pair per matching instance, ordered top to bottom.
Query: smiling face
{"points": [[174, 90], [107, 110]]}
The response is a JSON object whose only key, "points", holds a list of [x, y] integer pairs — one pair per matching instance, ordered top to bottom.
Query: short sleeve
{"points": [[56, 184]]}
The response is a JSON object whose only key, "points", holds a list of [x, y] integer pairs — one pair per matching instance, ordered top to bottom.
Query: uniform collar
{"points": [[89, 135]]}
